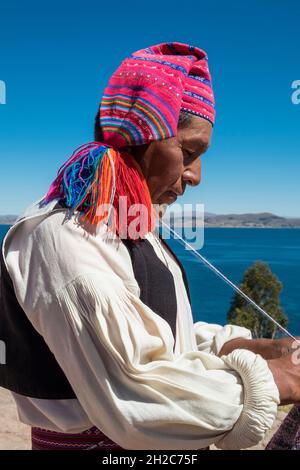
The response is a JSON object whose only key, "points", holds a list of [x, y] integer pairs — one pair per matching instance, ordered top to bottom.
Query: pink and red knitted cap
{"points": [[144, 96]]}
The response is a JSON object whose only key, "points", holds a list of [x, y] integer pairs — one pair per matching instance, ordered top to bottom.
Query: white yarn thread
{"points": [[230, 283]]}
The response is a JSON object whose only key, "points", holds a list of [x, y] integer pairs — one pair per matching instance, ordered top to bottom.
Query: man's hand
{"points": [[267, 348], [283, 359]]}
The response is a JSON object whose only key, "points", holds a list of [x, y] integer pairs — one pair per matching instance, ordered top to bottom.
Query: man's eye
{"points": [[188, 154]]}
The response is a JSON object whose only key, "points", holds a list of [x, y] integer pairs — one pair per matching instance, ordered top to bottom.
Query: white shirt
{"points": [[79, 292]]}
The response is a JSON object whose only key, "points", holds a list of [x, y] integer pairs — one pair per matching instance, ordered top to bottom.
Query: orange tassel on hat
{"points": [[105, 186]]}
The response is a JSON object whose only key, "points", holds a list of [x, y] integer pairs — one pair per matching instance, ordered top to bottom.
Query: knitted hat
{"points": [[144, 96]]}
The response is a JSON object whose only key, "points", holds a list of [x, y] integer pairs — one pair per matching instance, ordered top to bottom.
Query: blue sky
{"points": [[56, 58]]}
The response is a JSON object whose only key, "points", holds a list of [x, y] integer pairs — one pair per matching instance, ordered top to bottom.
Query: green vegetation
{"points": [[261, 285]]}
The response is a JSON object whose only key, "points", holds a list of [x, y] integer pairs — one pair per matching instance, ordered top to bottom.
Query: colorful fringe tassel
{"points": [[95, 179]]}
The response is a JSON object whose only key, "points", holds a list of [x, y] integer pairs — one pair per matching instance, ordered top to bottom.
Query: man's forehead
{"points": [[198, 132]]}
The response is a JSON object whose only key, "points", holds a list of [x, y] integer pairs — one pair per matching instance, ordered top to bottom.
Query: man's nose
{"points": [[192, 173]]}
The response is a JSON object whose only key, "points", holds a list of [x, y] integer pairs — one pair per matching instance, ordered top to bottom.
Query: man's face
{"points": [[169, 165]]}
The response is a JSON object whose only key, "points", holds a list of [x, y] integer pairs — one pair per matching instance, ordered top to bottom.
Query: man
{"points": [[102, 351]]}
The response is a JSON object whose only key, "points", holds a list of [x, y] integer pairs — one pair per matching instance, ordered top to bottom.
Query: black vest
{"points": [[31, 368]]}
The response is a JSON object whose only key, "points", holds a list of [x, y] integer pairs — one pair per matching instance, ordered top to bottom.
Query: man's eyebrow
{"points": [[201, 147]]}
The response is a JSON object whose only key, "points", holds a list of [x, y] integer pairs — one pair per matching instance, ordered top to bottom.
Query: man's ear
{"points": [[137, 151]]}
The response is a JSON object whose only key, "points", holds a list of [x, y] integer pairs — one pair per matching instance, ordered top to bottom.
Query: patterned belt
{"points": [[91, 439]]}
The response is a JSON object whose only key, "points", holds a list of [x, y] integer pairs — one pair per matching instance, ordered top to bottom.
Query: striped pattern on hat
{"points": [[144, 96]]}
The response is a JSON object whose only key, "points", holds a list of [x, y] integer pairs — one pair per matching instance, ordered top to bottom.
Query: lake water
{"points": [[233, 251]]}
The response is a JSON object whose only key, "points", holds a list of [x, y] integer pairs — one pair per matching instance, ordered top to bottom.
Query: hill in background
{"points": [[7, 219], [262, 219]]}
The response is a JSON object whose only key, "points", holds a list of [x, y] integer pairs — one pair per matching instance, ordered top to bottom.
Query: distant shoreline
{"points": [[210, 220], [247, 220], [212, 226], [246, 227]]}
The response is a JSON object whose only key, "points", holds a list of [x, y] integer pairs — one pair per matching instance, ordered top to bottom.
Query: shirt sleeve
{"points": [[211, 338], [118, 356]]}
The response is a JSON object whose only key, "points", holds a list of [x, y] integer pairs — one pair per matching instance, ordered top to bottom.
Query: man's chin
{"points": [[160, 209]]}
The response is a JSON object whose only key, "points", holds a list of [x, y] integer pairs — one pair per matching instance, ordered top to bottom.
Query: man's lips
{"points": [[176, 193], [172, 195]]}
